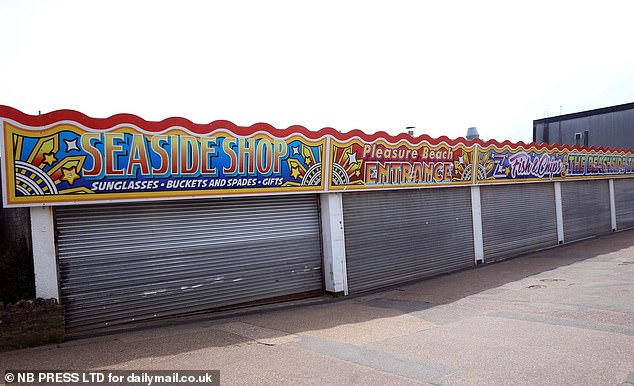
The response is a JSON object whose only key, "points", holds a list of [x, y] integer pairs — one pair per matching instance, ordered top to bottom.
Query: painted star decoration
{"points": [[71, 144], [352, 158], [49, 159], [69, 175]]}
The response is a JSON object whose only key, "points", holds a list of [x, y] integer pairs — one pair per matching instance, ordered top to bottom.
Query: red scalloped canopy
{"points": [[201, 129]]}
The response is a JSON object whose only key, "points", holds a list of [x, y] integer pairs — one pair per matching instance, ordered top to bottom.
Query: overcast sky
{"points": [[440, 66]]}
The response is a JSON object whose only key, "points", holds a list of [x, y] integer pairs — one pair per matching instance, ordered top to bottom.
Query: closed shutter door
{"points": [[624, 202], [586, 208], [517, 219], [397, 236], [124, 263]]}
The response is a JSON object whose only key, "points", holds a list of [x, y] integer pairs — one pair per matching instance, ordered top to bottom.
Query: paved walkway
{"points": [[559, 317]]}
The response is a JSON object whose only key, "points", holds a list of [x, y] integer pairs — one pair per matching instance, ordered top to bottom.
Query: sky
{"points": [[440, 66]]}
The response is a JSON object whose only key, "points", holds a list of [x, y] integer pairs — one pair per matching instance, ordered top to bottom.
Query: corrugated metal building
{"points": [[608, 127]]}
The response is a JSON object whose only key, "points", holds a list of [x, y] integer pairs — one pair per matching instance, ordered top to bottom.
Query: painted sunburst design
{"points": [[305, 165], [463, 166], [485, 166], [43, 167], [346, 167]]}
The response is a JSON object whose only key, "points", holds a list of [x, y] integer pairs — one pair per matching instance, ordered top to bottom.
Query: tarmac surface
{"points": [[563, 316]]}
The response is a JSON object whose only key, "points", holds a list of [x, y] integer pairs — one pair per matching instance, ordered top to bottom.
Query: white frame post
{"points": [[612, 205], [559, 212], [476, 216], [334, 246], [44, 258]]}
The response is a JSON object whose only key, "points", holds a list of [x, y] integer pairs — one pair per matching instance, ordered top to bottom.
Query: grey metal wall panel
{"points": [[606, 128], [624, 202], [586, 208], [517, 219], [396, 236], [124, 263]]}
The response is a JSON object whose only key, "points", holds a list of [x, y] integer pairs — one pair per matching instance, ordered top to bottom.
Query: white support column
{"points": [[612, 205], [559, 212], [476, 215], [334, 246], [44, 260]]}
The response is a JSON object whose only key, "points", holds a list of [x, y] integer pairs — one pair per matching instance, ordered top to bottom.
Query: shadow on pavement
{"points": [[346, 315]]}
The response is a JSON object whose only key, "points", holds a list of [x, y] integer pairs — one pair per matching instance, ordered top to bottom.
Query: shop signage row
{"points": [[65, 157]]}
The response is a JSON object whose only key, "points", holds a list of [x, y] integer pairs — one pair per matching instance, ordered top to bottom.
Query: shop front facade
{"points": [[134, 220]]}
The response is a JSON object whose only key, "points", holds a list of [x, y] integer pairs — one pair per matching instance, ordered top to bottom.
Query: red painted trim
{"points": [[149, 126], [202, 129]]}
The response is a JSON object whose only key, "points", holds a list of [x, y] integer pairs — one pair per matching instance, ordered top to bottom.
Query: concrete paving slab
{"points": [[559, 317], [355, 322], [374, 330], [259, 334], [507, 351], [421, 370]]}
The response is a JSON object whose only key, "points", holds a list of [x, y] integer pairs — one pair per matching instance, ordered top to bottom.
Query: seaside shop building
{"points": [[134, 220]]}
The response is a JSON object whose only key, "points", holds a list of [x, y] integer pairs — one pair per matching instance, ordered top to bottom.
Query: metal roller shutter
{"points": [[624, 202], [586, 208], [517, 219], [396, 236], [124, 263]]}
